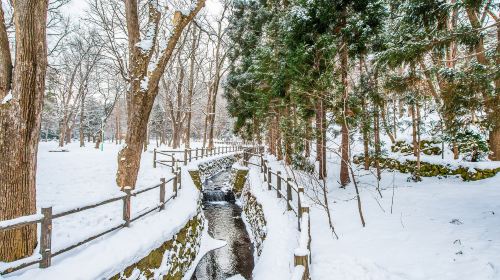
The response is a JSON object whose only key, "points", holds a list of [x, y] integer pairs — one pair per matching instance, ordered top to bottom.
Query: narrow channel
{"points": [[224, 223]]}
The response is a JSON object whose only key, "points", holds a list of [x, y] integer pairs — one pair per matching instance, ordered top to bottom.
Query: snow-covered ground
{"points": [[83, 176], [437, 228], [434, 229], [276, 259]]}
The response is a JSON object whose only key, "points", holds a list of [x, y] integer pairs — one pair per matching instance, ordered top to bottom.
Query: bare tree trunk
{"points": [[194, 44], [20, 119], [82, 119], [62, 133], [99, 139]]}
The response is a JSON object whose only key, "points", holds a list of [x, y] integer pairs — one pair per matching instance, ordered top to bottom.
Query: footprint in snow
{"points": [[456, 222]]}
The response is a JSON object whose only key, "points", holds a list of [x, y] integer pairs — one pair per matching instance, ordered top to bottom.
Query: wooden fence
{"points": [[188, 155], [47, 216], [302, 255]]}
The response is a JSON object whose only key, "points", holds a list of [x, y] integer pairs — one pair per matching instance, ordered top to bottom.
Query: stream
{"points": [[224, 223]]}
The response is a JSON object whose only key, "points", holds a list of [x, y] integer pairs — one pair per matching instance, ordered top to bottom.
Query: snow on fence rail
{"points": [[302, 254], [43, 258]]}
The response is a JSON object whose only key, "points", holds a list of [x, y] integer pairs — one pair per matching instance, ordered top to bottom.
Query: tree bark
{"points": [[194, 44], [82, 118], [20, 120], [414, 129], [344, 171]]}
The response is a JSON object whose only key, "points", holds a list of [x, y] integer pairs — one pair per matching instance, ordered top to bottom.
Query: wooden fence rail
{"points": [[47, 216], [302, 255]]}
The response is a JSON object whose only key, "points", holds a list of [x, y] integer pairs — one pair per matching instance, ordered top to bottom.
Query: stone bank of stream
{"points": [[225, 223]]}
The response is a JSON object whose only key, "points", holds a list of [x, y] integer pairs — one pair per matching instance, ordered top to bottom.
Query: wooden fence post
{"points": [[202, 152], [196, 153], [190, 154], [185, 156], [154, 158], [173, 162], [261, 163], [265, 171], [269, 178], [179, 180], [174, 184], [278, 184], [162, 193], [289, 193], [299, 205], [126, 206], [305, 209], [46, 238], [301, 259]]}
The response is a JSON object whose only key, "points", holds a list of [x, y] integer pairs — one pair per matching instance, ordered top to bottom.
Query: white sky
{"points": [[76, 8]]}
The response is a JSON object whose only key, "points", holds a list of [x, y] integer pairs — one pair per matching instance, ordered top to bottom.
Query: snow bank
{"points": [[276, 259]]}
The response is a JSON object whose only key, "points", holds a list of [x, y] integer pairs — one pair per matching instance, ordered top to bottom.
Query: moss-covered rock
{"points": [[428, 147], [430, 169], [195, 176], [239, 179], [255, 217], [173, 258]]}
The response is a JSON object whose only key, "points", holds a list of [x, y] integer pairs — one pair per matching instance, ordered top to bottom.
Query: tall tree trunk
{"points": [[194, 43], [207, 116], [20, 119], [82, 119], [317, 126], [365, 128], [414, 129], [376, 132], [62, 133], [287, 138], [99, 140], [307, 140], [279, 147], [344, 170]]}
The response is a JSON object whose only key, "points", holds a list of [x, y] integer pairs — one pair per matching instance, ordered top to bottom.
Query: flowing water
{"points": [[224, 223]]}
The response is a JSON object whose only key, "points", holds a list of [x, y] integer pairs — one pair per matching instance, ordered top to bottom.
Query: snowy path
{"points": [[276, 260]]}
